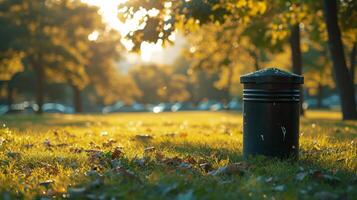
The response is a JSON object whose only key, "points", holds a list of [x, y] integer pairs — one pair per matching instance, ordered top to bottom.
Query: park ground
{"points": [[189, 155]]}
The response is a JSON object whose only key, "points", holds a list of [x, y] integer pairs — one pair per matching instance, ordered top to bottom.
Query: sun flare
{"points": [[109, 12]]}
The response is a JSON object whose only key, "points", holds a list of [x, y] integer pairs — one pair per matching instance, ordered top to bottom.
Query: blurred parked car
{"points": [[332, 101], [309, 103], [205, 105], [234, 105], [182, 106], [121, 107], [137, 107], [162, 107], [217, 107], [21, 108], [57, 108], [113, 108], [4, 109]]}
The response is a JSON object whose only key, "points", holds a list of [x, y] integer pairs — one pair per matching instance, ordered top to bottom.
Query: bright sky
{"points": [[109, 12]]}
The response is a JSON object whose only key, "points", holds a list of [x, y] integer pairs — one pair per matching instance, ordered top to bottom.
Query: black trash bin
{"points": [[271, 113]]}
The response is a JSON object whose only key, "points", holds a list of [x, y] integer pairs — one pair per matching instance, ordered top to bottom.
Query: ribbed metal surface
{"points": [[271, 95]]}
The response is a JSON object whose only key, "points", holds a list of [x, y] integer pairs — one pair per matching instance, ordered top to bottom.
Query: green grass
{"points": [[96, 156]]}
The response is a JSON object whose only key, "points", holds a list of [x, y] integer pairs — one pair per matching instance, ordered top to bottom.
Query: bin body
{"points": [[271, 111]]}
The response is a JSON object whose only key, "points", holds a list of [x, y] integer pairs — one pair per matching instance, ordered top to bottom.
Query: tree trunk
{"points": [[255, 57], [296, 58], [353, 62], [40, 77], [343, 79], [229, 82], [10, 94], [319, 95], [77, 100]]}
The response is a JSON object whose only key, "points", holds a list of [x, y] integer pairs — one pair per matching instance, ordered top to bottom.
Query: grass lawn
{"points": [[190, 155]]}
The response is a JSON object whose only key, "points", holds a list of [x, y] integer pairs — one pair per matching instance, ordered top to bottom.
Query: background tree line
{"points": [[225, 31], [44, 43], [46, 54]]}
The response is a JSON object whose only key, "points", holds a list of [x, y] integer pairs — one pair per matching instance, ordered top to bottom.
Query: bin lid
{"points": [[271, 75]]}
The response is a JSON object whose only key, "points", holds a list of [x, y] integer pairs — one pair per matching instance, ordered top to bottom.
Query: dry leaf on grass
{"points": [[143, 137], [109, 143], [149, 149], [117, 153], [206, 167], [230, 169], [127, 174], [46, 183]]}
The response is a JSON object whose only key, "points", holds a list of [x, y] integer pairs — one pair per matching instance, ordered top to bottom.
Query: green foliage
{"points": [[233, 37], [52, 38]]}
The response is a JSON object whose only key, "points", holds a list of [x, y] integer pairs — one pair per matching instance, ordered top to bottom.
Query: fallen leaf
{"points": [[55, 132], [68, 134], [143, 138], [109, 142], [47, 143], [62, 145], [149, 149], [76, 150], [93, 151], [117, 153], [159, 156], [190, 160], [175, 161], [206, 167], [235, 168], [127, 174], [46, 183]]}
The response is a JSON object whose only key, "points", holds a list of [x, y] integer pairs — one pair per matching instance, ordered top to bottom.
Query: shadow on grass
{"points": [[23, 121], [201, 150], [157, 181]]}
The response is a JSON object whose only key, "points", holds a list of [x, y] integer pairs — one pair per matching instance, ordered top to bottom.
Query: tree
{"points": [[247, 20], [54, 38], [10, 66], [318, 71], [103, 74], [343, 79], [160, 84]]}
